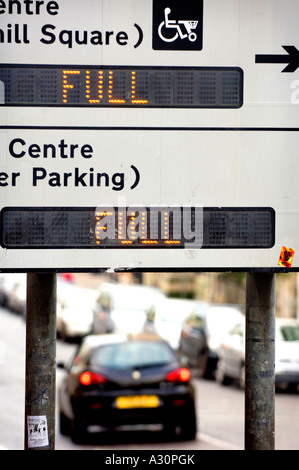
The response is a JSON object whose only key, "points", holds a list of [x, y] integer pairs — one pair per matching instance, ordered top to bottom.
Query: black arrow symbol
{"points": [[291, 58]]}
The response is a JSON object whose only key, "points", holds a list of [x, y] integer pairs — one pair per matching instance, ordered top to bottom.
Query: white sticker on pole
{"points": [[37, 431]]}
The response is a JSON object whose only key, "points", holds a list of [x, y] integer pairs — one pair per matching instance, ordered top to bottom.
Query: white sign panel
{"points": [[158, 135]]}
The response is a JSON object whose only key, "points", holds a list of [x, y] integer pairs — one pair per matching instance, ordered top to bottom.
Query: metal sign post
{"points": [[40, 362], [260, 362]]}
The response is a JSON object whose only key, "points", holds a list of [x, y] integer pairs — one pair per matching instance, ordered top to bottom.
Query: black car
{"points": [[116, 380]]}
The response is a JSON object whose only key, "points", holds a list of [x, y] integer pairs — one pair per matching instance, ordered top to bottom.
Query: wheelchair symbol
{"points": [[174, 25]]}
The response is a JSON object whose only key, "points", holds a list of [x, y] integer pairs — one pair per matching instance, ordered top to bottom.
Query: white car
{"points": [[74, 310], [287, 353], [231, 363]]}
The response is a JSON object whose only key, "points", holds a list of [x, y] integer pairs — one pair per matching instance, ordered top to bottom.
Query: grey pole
{"points": [[40, 362], [260, 362]]}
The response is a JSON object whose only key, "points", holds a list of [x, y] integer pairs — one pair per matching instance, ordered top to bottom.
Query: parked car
{"points": [[13, 288], [4, 290], [123, 308], [74, 310], [168, 317], [202, 333], [287, 353], [231, 361], [231, 364], [117, 380]]}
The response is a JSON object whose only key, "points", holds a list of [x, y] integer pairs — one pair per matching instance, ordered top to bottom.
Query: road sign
{"points": [[156, 135]]}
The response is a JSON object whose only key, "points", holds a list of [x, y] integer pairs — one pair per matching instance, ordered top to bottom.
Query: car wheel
{"points": [[204, 367], [221, 376], [64, 424], [189, 427], [169, 431], [78, 432]]}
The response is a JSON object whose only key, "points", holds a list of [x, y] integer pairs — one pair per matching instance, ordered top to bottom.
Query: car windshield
{"points": [[289, 332], [132, 355]]}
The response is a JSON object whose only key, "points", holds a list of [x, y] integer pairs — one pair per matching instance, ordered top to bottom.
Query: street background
{"points": [[220, 410]]}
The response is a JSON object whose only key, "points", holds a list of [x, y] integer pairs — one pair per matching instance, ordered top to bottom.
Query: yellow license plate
{"points": [[137, 401]]}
